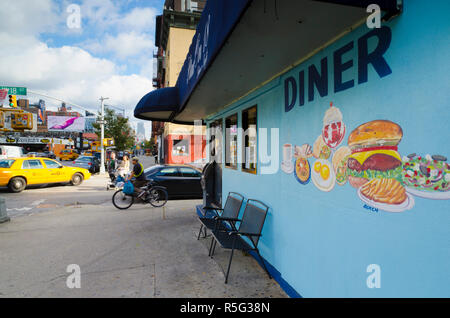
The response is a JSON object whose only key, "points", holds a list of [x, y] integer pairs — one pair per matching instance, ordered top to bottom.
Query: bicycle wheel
{"points": [[158, 197], [122, 201]]}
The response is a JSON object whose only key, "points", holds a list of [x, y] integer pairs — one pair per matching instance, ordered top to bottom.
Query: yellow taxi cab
{"points": [[67, 154], [18, 173]]}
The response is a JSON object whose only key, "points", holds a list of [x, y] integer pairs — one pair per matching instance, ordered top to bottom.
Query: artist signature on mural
{"points": [[372, 209]]}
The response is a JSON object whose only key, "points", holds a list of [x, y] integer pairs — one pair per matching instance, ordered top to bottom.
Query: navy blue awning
{"points": [[159, 104]]}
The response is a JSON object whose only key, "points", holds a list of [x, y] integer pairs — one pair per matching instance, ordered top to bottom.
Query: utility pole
{"points": [[102, 127]]}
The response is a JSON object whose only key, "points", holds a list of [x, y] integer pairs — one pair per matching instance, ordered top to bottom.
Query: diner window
{"points": [[249, 140], [231, 142]]}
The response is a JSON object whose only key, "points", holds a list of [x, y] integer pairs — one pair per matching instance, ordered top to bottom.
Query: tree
{"points": [[117, 127], [149, 144]]}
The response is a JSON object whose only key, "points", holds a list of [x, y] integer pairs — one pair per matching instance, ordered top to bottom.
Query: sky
{"points": [[80, 50]]}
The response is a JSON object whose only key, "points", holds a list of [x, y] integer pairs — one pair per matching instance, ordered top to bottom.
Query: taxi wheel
{"points": [[77, 179], [17, 184]]}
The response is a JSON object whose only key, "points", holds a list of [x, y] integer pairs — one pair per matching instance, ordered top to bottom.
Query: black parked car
{"points": [[181, 181]]}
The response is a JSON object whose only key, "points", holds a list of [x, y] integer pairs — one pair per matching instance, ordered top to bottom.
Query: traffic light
{"points": [[13, 101], [2, 119]]}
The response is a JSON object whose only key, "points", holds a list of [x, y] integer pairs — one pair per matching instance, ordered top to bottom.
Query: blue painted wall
{"points": [[321, 242]]}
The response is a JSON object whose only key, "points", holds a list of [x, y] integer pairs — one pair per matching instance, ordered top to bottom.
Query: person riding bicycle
{"points": [[138, 174]]}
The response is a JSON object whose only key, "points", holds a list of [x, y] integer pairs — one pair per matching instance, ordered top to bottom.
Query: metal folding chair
{"points": [[226, 217], [250, 228]]}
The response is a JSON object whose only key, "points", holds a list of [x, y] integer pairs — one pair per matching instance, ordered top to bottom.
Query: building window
{"points": [[249, 140], [231, 141], [180, 147]]}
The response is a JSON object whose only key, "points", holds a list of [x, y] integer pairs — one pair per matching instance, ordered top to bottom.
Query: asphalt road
{"points": [[47, 198], [140, 252]]}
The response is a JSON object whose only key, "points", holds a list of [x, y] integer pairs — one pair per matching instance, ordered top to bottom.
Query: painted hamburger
{"points": [[374, 152]]}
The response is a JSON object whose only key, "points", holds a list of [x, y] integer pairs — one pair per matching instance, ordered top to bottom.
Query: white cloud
{"points": [[24, 17], [139, 19], [123, 45], [71, 72]]}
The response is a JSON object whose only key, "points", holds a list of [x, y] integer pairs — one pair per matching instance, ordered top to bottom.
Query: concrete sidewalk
{"points": [[142, 252]]}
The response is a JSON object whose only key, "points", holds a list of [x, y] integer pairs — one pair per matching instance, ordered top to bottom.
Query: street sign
{"points": [[15, 90]]}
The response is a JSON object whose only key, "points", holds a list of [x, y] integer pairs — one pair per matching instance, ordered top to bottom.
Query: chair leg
{"points": [[200, 232], [205, 233], [213, 248], [229, 263], [264, 264]]}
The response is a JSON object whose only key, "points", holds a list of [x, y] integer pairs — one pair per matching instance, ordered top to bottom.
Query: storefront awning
{"points": [[240, 46], [159, 105]]}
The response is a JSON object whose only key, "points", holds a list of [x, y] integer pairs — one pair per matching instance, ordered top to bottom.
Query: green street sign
{"points": [[15, 90]]}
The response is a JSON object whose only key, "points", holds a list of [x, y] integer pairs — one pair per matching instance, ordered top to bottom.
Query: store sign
{"points": [[218, 19], [298, 89], [65, 123], [32, 140]]}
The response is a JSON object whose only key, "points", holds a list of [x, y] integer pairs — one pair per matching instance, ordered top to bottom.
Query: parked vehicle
{"points": [[11, 152], [46, 154], [49, 154], [68, 154], [87, 162], [18, 173], [181, 181]]}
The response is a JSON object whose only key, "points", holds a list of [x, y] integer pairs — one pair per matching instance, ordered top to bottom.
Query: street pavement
{"points": [[46, 198], [141, 252]]}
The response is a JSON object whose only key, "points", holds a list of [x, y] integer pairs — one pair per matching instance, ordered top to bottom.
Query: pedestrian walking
{"points": [[124, 167]]}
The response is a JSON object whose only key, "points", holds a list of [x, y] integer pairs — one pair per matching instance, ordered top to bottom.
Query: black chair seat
{"points": [[212, 223], [226, 241]]}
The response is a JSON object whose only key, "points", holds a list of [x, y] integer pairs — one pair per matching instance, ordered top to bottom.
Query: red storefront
{"points": [[184, 149]]}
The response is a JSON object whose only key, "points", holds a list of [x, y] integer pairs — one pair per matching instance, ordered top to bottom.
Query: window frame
{"points": [[246, 139], [184, 142], [52, 161], [228, 163], [30, 167], [197, 173], [169, 176]]}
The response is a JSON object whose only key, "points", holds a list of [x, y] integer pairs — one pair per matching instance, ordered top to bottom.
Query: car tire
{"points": [[77, 179], [17, 184]]}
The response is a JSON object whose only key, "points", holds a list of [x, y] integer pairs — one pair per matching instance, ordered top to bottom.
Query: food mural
{"points": [[370, 163]]}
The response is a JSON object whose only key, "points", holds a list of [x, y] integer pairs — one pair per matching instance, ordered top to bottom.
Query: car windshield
{"points": [[84, 159], [6, 163]]}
